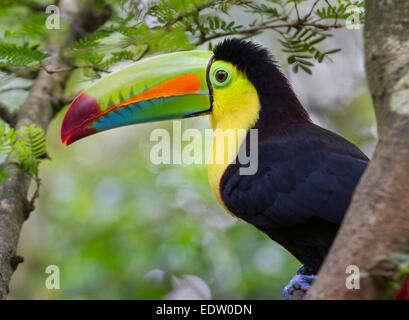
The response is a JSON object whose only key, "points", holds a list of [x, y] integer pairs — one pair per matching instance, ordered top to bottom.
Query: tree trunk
{"points": [[41, 105], [376, 226]]}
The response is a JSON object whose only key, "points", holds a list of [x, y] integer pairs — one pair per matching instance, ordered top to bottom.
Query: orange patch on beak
{"points": [[184, 84]]}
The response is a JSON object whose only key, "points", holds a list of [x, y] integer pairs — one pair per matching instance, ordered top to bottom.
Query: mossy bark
{"points": [[377, 223]]}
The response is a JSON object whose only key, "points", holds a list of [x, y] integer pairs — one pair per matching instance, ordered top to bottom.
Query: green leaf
{"points": [[317, 40], [91, 41], [15, 55], [306, 69], [26, 145]]}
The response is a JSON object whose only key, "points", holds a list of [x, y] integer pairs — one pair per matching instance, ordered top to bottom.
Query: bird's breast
{"points": [[233, 114], [224, 150], [215, 175]]}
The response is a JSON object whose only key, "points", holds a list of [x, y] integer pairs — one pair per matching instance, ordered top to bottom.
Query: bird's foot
{"points": [[299, 285]]}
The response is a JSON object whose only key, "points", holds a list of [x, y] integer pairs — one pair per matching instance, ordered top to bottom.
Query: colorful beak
{"points": [[170, 86]]}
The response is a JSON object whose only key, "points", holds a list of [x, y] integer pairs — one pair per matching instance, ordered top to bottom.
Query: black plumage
{"points": [[306, 174]]}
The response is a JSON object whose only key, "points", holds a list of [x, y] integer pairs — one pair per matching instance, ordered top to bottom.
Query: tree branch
{"points": [[37, 7], [311, 10], [194, 11], [263, 26], [143, 53], [73, 67], [25, 73], [2, 90], [38, 109], [8, 117], [376, 227]]}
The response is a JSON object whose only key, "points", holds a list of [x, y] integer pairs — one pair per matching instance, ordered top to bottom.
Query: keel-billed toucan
{"points": [[306, 174]]}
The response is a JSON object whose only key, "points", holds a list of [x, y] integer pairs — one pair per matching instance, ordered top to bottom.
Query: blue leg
{"points": [[299, 285]]}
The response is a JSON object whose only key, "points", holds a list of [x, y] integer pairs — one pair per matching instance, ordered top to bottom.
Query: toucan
{"points": [[306, 174]]}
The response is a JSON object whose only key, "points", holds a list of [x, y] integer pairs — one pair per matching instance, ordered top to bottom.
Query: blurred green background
{"points": [[120, 227]]}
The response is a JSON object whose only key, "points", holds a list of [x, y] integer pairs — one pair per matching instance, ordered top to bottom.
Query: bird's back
{"points": [[302, 189]]}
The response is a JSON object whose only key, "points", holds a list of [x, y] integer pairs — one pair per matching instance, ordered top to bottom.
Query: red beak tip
{"points": [[77, 118]]}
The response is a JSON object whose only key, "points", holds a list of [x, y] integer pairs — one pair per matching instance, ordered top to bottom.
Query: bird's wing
{"points": [[296, 181]]}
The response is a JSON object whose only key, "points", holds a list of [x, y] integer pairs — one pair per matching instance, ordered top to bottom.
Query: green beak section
{"points": [[170, 86]]}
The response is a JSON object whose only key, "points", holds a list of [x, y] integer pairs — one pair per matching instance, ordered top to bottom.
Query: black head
{"points": [[279, 105]]}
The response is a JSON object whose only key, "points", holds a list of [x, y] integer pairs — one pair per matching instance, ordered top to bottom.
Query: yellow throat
{"points": [[235, 111]]}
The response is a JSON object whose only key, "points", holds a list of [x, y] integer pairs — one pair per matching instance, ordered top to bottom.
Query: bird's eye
{"points": [[221, 75]]}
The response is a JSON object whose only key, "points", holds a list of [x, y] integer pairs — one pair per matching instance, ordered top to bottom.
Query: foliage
{"points": [[341, 10], [138, 28], [300, 40], [91, 41], [301, 48], [19, 55], [26, 145]]}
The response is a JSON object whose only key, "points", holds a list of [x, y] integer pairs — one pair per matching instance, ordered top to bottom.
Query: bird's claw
{"points": [[298, 286]]}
